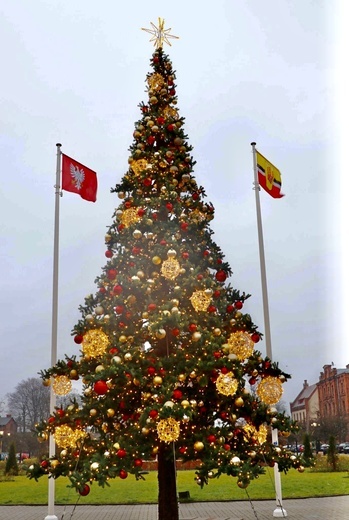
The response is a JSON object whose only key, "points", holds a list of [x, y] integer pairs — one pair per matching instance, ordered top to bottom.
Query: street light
{"points": [[1, 437]]}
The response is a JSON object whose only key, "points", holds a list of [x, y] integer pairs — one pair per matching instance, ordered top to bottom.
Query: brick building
{"points": [[333, 387]]}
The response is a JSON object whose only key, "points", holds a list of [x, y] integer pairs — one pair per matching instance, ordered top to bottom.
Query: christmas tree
{"points": [[168, 357]]}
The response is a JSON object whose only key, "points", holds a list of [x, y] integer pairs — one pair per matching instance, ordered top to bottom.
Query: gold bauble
{"points": [[130, 216], [137, 234], [156, 260], [170, 268], [200, 300], [217, 332], [160, 334], [196, 336], [122, 338], [95, 343], [241, 345], [128, 356], [99, 368], [181, 377], [157, 381], [226, 384], [61, 385], [270, 390], [239, 402], [185, 403], [93, 412], [110, 412], [168, 430], [145, 431], [66, 437], [199, 446], [54, 463], [301, 469], [242, 484]]}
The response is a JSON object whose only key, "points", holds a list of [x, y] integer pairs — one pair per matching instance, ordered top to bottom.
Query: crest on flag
{"points": [[78, 175]]}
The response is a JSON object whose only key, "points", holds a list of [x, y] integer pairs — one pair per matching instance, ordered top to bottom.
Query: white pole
{"points": [[52, 449], [279, 512]]}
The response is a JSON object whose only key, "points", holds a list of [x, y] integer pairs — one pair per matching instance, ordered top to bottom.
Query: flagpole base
{"points": [[280, 512], [51, 517]]}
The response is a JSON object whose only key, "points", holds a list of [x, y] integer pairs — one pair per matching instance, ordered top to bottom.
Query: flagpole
{"points": [[52, 449], [279, 512]]}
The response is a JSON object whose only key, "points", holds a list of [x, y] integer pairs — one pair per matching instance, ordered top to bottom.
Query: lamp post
{"points": [[1, 437]]}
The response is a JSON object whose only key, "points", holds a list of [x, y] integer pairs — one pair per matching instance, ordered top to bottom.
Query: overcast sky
{"points": [[74, 72]]}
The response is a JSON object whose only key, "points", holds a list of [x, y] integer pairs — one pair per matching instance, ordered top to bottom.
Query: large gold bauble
{"points": [[156, 81], [138, 166], [130, 216], [170, 268], [200, 300], [95, 343], [240, 344], [226, 384], [61, 385], [270, 390], [168, 430], [259, 435], [66, 437]]}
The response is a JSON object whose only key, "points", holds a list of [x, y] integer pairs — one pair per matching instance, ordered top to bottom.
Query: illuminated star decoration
{"points": [[160, 34]]}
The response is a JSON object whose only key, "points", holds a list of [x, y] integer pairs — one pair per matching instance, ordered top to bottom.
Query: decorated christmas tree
{"points": [[167, 356]]}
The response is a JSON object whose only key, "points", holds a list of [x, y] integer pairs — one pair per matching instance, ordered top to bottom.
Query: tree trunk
{"points": [[167, 498]]}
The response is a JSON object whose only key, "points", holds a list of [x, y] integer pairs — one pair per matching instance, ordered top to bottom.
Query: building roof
{"points": [[306, 392], [5, 420]]}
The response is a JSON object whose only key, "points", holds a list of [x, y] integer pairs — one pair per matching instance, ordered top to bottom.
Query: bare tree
{"points": [[29, 403]]}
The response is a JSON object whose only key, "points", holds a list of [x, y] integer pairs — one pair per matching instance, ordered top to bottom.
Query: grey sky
{"points": [[74, 72]]}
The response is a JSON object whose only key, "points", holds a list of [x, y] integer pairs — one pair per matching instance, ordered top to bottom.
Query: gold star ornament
{"points": [[160, 35]]}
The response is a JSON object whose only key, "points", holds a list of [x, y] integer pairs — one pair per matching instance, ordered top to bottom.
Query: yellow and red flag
{"points": [[269, 177]]}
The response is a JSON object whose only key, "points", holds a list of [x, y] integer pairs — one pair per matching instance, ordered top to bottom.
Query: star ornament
{"points": [[160, 34]]}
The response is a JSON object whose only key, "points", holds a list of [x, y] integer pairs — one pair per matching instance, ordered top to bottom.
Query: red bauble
{"points": [[172, 92], [160, 120], [170, 127], [151, 140], [147, 181], [195, 196], [128, 204], [169, 206], [141, 212], [154, 216], [184, 226], [121, 227], [163, 243], [136, 250], [108, 253], [206, 253], [185, 255], [219, 261], [111, 274], [200, 276], [221, 276], [117, 289], [102, 290], [216, 294], [238, 305], [151, 307], [230, 308], [119, 309], [211, 309], [192, 327], [175, 332], [255, 337], [78, 339], [113, 351], [217, 355], [151, 370], [224, 370], [100, 387], [177, 394], [60, 412], [153, 414], [224, 415], [51, 420], [211, 439], [226, 447], [182, 450], [121, 453], [138, 463], [44, 464], [123, 474], [85, 490]]}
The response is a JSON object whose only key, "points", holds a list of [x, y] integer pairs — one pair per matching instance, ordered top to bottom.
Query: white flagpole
{"points": [[52, 449], [279, 512]]}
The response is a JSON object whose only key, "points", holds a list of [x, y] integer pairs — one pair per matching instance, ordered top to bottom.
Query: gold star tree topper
{"points": [[160, 34]]}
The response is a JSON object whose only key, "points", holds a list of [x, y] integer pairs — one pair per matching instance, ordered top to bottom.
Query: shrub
{"points": [[11, 467]]}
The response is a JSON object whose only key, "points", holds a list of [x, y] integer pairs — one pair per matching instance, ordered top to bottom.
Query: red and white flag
{"points": [[77, 178]]}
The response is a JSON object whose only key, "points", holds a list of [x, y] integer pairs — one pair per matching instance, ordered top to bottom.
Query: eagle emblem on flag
{"points": [[78, 175]]}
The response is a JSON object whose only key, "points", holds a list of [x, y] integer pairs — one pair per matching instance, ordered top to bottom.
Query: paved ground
{"points": [[333, 508]]}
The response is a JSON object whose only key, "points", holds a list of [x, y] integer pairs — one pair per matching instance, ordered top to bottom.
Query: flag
{"points": [[269, 177], [78, 179]]}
